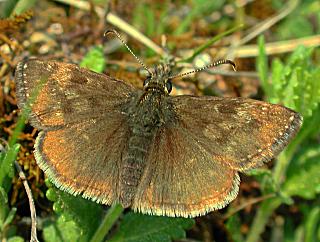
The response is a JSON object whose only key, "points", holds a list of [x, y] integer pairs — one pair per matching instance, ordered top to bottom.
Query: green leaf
{"points": [[23, 5], [7, 8], [144, 18], [162, 22], [298, 23], [209, 43], [94, 60], [262, 67], [277, 69], [292, 84], [295, 85], [301, 91], [6, 166], [6, 173], [303, 176], [4, 209], [78, 214], [10, 216], [233, 225], [312, 225], [138, 227], [309, 227], [289, 229], [60, 231], [299, 234], [15, 239]]}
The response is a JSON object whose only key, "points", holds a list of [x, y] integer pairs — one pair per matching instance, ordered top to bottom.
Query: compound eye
{"points": [[169, 86]]}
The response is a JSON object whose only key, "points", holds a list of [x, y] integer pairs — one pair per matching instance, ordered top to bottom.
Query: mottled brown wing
{"points": [[68, 93], [240, 132], [84, 133], [82, 159], [193, 162], [181, 178]]}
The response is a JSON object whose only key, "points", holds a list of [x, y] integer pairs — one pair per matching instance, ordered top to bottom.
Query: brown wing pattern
{"points": [[69, 94], [77, 111], [242, 133], [193, 162], [94, 173], [181, 179]]}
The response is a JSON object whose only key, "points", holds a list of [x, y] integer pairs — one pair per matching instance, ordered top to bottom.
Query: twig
{"points": [[118, 23], [266, 24], [261, 27], [133, 32], [10, 43], [274, 48], [239, 52], [6, 58], [29, 194], [31, 203], [246, 204]]}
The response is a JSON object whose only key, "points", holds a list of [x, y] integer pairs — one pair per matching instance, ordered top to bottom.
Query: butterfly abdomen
{"points": [[144, 120], [132, 167]]}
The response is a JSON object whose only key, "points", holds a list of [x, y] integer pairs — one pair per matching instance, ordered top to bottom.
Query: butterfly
{"points": [[110, 142]]}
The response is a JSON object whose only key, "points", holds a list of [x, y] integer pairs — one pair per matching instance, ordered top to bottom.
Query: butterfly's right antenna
{"points": [[120, 38], [217, 63]]}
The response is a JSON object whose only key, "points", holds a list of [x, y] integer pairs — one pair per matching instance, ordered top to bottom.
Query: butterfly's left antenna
{"points": [[121, 39], [217, 63]]}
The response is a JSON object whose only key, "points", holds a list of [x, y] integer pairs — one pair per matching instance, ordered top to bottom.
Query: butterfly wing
{"points": [[66, 93], [240, 132], [84, 133], [83, 160], [193, 162], [181, 179]]}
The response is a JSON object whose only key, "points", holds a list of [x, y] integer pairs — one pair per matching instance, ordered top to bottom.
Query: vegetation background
{"points": [[275, 45]]}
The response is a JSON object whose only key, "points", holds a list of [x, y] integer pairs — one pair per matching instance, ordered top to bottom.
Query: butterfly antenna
{"points": [[121, 39], [216, 63]]}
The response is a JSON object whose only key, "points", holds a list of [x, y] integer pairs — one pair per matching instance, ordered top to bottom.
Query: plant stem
{"points": [[118, 23], [281, 167], [268, 206], [111, 217], [261, 218]]}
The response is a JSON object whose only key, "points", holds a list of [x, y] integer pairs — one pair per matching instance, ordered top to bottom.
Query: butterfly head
{"points": [[159, 79]]}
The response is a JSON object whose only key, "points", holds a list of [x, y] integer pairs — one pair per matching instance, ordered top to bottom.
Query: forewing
{"points": [[67, 93], [84, 132], [242, 133], [181, 178]]}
